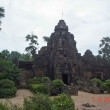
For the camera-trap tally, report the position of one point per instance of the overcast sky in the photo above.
(88, 20)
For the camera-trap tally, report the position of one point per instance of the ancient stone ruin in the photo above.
(61, 60)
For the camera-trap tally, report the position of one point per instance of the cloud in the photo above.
(88, 20)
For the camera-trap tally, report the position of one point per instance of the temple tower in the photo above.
(62, 54)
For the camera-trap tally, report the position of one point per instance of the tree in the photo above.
(8, 70)
(1, 14)
(32, 39)
(5, 54)
(15, 57)
(46, 39)
(26, 57)
(105, 48)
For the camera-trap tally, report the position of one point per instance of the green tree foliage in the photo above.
(105, 48)
(63, 102)
(4, 106)
(8, 70)
(37, 102)
(43, 102)
(32, 39)
(9, 106)
(46, 39)
(57, 86)
(5, 54)
(40, 85)
(26, 57)
(107, 83)
(2, 11)
(96, 81)
(7, 88)
(15, 56)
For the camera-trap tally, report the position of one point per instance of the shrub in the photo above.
(40, 85)
(7, 88)
(63, 102)
(97, 82)
(39, 88)
(38, 80)
(9, 106)
(57, 86)
(4, 106)
(107, 82)
(104, 86)
(37, 102)
(8, 70)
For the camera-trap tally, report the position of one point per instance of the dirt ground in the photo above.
(100, 101)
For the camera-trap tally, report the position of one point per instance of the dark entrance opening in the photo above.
(65, 79)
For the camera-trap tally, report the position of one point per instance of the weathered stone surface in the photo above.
(61, 60)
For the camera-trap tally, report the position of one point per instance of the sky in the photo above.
(88, 20)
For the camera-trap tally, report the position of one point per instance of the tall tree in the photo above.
(15, 57)
(105, 48)
(5, 54)
(1, 14)
(32, 39)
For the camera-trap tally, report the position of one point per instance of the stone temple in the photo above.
(59, 59)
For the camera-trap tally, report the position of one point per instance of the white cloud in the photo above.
(88, 20)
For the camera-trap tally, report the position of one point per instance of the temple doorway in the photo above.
(66, 79)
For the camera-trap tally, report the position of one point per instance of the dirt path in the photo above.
(100, 101)
(18, 100)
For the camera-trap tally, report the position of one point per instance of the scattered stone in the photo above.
(88, 105)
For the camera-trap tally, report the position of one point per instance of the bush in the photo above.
(104, 86)
(57, 86)
(9, 106)
(40, 85)
(37, 102)
(63, 102)
(97, 82)
(4, 106)
(7, 88)
(38, 80)
(39, 88)
(8, 70)
(107, 82)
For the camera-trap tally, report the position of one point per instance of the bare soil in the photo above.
(100, 101)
